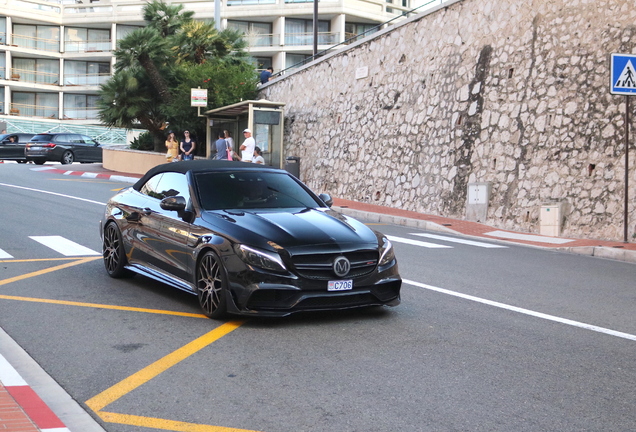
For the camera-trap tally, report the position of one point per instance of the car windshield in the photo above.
(251, 190)
(43, 137)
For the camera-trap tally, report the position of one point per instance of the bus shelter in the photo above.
(264, 118)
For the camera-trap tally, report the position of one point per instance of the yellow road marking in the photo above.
(105, 398)
(157, 423)
(101, 306)
(36, 260)
(48, 270)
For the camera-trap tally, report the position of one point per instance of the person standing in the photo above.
(221, 147)
(230, 142)
(188, 146)
(173, 148)
(247, 148)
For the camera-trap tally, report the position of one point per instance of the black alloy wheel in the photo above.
(67, 157)
(211, 286)
(113, 251)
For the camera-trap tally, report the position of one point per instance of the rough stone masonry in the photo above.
(510, 93)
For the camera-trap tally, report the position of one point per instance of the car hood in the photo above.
(302, 228)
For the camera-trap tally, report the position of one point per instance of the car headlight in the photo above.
(386, 252)
(260, 258)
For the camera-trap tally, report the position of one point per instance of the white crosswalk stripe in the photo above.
(5, 255)
(64, 246)
(418, 243)
(460, 240)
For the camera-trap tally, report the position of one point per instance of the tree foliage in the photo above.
(157, 65)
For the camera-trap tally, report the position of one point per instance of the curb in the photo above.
(28, 400)
(92, 175)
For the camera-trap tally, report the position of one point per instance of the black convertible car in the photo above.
(246, 240)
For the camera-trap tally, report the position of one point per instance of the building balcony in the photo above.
(38, 111)
(80, 113)
(87, 46)
(307, 39)
(36, 77)
(35, 43)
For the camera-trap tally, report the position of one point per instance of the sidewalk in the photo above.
(24, 411)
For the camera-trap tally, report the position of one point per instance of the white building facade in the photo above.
(54, 54)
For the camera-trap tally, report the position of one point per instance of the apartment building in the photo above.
(54, 54)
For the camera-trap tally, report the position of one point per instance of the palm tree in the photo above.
(197, 41)
(127, 101)
(166, 18)
(146, 47)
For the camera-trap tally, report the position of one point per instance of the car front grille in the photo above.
(320, 266)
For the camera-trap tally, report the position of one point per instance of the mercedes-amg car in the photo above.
(246, 239)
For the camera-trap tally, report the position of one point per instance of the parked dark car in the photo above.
(63, 147)
(12, 146)
(247, 240)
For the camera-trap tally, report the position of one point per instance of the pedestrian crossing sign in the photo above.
(623, 74)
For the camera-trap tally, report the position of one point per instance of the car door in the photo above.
(11, 150)
(77, 146)
(92, 148)
(172, 237)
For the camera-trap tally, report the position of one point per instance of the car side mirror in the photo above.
(173, 203)
(326, 198)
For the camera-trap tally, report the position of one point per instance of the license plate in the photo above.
(342, 285)
(35, 148)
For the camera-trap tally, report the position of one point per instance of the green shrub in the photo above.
(143, 142)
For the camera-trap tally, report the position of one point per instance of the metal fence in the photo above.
(105, 135)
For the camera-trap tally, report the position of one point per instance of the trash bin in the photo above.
(292, 165)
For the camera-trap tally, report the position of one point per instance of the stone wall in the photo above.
(511, 93)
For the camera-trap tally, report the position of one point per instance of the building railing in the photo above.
(324, 38)
(33, 110)
(262, 40)
(35, 42)
(103, 134)
(249, 2)
(85, 79)
(80, 113)
(2, 71)
(52, 78)
(87, 46)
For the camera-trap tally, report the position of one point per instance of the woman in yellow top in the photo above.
(173, 148)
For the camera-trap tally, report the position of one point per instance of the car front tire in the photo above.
(114, 253)
(211, 286)
(67, 158)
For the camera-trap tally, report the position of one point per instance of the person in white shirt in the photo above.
(247, 148)
(258, 156)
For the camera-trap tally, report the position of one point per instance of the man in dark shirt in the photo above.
(221, 147)
(266, 75)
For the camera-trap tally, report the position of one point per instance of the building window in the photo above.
(38, 71)
(85, 73)
(3, 30)
(355, 29)
(39, 37)
(295, 59)
(3, 67)
(35, 104)
(86, 40)
(257, 34)
(125, 30)
(79, 106)
(301, 32)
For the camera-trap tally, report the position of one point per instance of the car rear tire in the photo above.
(67, 157)
(114, 253)
(211, 286)
(39, 162)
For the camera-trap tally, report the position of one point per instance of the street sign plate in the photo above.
(623, 74)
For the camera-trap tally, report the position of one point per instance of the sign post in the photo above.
(623, 82)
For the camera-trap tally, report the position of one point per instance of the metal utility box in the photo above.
(292, 166)
(551, 219)
(477, 202)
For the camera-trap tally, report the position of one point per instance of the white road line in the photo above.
(52, 193)
(528, 237)
(418, 243)
(64, 246)
(524, 311)
(459, 240)
(4, 255)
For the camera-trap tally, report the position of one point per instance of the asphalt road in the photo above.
(486, 339)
